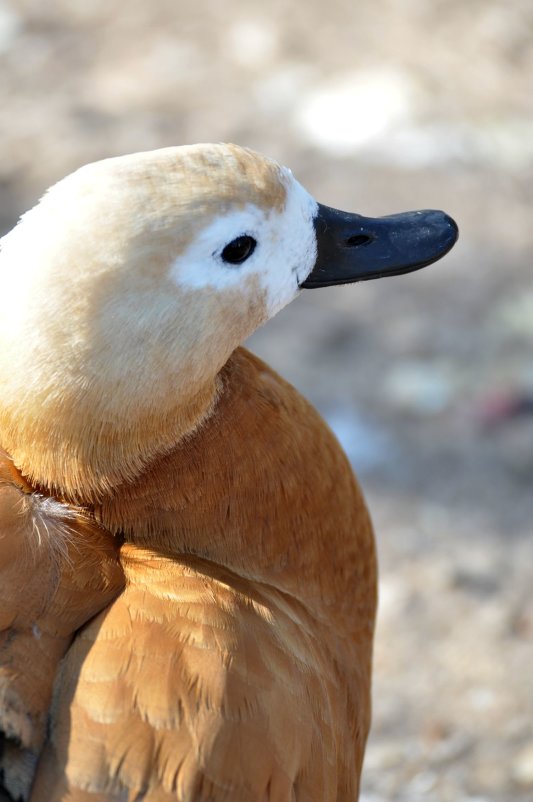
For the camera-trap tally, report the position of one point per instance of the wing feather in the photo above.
(155, 701)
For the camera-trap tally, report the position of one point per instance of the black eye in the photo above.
(238, 250)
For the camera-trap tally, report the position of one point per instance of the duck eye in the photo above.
(238, 250)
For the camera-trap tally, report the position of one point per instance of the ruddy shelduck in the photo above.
(188, 577)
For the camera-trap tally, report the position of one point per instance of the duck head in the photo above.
(126, 289)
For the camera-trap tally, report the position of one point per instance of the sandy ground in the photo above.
(377, 107)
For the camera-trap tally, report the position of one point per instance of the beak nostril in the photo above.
(357, 240)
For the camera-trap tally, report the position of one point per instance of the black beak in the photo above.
(355, 248)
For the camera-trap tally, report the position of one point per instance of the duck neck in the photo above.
(76, 450)
(263, 490)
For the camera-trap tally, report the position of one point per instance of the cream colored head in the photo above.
(119, 309)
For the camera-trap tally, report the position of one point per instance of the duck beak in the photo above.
(355, 248)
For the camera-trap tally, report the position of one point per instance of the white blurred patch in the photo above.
(279, 90)
(10, 25)
(391, 119)
(252, 43)
(515, 315)
(419, 387)
(352, 110)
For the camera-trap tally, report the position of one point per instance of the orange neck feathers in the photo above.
(248, 492)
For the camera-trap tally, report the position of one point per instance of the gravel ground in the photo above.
(377, 107)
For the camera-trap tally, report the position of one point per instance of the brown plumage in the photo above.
(236, 664)
(187, 567)
(58, 569)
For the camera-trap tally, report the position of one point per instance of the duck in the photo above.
(188, 569)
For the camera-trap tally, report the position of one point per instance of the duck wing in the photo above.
(192, 685)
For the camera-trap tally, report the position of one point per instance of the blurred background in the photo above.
(427, 379)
